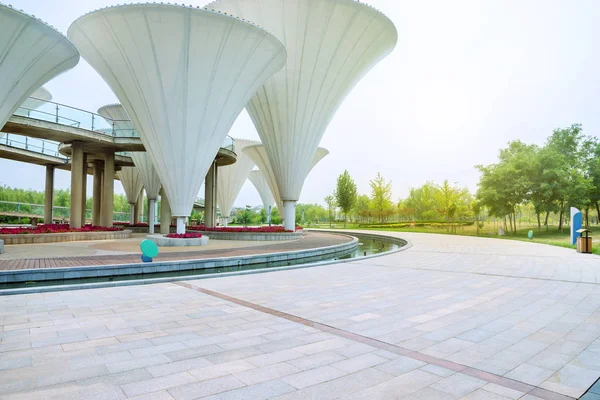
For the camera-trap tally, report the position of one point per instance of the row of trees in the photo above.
(562, 173)
(378, 205)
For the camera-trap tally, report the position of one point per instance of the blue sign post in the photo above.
(576, 224)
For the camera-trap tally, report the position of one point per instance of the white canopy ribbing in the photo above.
(183, 75)
(231, 178)
(31, 53)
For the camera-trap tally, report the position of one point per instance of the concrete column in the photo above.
(289, 211)
(76, 183)
(84, 191)
(97, 193)
(139, 208)
(165, 213)
(49, 194)
(132, 211)
(108, 188)
(209, 184)
(151, 215)
(215, 189)
(180, 225)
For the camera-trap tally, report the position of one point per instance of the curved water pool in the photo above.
(368, 245)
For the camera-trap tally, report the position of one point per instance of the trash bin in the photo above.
(584, 243)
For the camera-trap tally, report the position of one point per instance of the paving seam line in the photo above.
(463, 369)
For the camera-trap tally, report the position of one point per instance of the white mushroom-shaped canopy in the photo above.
(231, 178)
(258, 154)
(132, 183)
(116, 114)
(31, 53)
(118, 119)
(183, 75)
(262, 187)
(331, 45)
(37, 99)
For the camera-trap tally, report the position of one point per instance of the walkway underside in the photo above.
(449, 318)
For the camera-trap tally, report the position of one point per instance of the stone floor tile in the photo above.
(459, 384)
(218, 370)
(346, 384)
(397, 387)
(160, 395)
(138, 362)
(259, 391)
(481, 394)
(274, 358)
(400, 365)
(233, 355)
(263, 374)
(358, 363)
(174, 367)
(427, 394)
(312, 377)
(503, 391)
(205, 388)
(315, 360)
(156, 384)
(437, 370)
(530, 374)
(194, 352)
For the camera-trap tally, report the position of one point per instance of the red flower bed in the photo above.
(184, 235)
(55, 228)
(242, 229)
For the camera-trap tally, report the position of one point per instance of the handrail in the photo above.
(40, 146)
(75, 117)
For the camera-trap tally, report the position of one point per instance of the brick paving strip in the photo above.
(463, 369)
(309, 241)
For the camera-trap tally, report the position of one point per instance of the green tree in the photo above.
(381, 198)
(330, 201)
(362, 207)
(345, 194)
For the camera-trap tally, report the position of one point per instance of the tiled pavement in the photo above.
(309, 241)
(448, 318)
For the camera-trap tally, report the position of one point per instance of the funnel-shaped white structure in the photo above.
(37, 99)
(258, 154)
(231, 178)
(132, 184)
(183, 75)
(117, 115)
(331, 45)
(31, 53)
(262, 187)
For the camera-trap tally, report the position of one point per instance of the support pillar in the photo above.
(289, 211)
(84, 191)
(165, 213)
(76, 183)
(180, 225)
(49, 194)
(139, 208)
(132, 211)
(108, 188)
(97, 193)
(210, 183)
(151, 215)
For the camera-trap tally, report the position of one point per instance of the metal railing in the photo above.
(40, 146)
(75, 117)
(12, 209)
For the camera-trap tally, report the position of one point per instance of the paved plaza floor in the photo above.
(449, 318)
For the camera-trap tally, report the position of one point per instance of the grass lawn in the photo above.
(552, 236)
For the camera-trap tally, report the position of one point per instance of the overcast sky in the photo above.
(465, 78)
